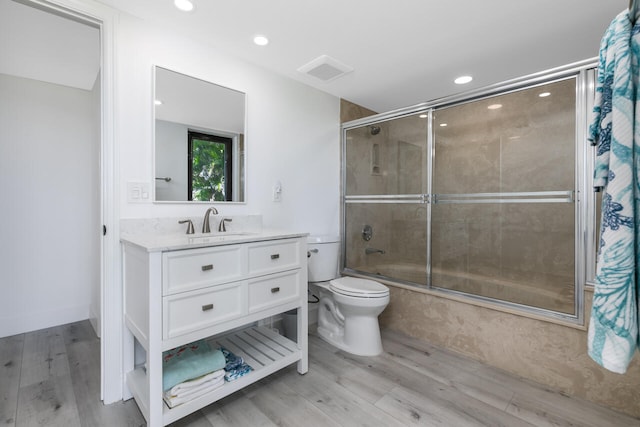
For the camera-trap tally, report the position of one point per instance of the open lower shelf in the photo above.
(263, 349)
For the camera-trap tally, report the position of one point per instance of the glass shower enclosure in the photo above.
(475, 197)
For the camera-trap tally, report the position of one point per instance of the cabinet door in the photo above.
(191, 311)
(197, 268)
(274, 256)
(270, 291)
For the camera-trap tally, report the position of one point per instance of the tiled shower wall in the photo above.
(519, 252)
(398, 229)
(516, 252)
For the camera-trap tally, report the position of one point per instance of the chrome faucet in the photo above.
(222, 227)
(205, 224)
(369, 251)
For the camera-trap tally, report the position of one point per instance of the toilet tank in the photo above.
(323, 257)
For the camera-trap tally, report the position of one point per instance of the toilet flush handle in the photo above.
(315, 251)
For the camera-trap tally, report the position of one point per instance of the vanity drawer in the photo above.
(271, 257)
(272, 290)
(190, 311)
(196, 268)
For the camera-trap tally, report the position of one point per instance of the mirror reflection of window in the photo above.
(193, 105)
(210, 160)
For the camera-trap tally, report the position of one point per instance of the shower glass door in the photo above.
(385, 211)
(503, 217)
(484, 196)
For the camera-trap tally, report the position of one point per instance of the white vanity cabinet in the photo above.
(217, 289)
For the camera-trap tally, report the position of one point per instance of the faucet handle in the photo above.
(223, 227)
(190, 229)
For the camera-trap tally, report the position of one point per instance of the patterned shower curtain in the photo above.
(613, 328)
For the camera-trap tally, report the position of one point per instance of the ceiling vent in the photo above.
(325, 68)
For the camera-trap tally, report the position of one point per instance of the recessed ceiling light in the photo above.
(184, 5)
(261, 40)
(463, 80)
(494, 106)
(423, 116)
(544, 94)
(443, 125)
(157, 102)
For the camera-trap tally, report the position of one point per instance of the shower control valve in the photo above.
(367, 233)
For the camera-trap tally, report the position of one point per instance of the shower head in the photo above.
(374, 129)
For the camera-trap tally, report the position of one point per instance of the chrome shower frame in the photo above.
(584, 198)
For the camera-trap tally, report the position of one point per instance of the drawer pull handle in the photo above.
(207, 267)
(207, 307)
(275, 256)
(274, 290)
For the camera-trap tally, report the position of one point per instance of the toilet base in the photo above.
(351, 323)
(336, 338)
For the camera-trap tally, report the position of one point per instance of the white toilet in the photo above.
(349, 306)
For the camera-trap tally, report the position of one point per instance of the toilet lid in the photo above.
(353, 286)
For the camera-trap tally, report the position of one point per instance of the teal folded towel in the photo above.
(188, 362)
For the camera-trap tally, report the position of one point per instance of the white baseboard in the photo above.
(29, 322)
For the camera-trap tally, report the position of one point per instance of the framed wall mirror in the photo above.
(199, 140)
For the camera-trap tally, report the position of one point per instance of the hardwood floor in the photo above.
(51, 378)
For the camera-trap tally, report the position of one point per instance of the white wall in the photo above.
(95, 308)
(48, 182)
(171, 141)
(293, 131)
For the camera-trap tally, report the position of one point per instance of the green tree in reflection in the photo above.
(208, 171)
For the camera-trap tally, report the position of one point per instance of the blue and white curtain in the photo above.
(613, 328)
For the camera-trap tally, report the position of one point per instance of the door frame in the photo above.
(111, 366)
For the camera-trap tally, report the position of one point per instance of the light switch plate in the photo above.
(277, 192)
(138, 192)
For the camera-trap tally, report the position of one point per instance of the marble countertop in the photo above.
(172, 241)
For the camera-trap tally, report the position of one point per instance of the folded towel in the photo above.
(193, 392)
(232, 361)
(188, 362)
(235, 366)
(184, 388)
(238, 372)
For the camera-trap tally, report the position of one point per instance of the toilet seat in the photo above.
(356, 287)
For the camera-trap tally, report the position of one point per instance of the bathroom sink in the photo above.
(218, 237)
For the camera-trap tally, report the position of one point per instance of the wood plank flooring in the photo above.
(51, 378)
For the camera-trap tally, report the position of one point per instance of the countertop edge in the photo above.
(163, 243)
